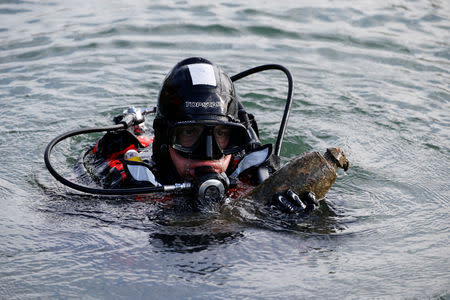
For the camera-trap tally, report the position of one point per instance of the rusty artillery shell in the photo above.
(311, 171)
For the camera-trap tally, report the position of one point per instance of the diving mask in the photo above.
(207, 141)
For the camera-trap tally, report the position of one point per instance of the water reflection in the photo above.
(187, 242)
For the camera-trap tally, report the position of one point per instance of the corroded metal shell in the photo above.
(309, 172)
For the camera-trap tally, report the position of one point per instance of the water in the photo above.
(371, 77)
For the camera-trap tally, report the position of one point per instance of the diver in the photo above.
(201, 132)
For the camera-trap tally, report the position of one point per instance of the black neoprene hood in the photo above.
(197, 90)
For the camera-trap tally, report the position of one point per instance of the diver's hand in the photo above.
(290, 202)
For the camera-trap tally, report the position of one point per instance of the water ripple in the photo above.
(370, 77)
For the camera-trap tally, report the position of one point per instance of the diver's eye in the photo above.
(187, 135)
(222, 131)
(191, 131)
(222, 134)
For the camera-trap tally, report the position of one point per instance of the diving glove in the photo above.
(291, 202)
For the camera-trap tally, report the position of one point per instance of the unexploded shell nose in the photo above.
(339, 158)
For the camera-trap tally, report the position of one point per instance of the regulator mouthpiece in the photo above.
(212, 188)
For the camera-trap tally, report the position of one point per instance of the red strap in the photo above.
(145, 140)
(117, 154)
(235, 161)
(118, 166)
(115, 164)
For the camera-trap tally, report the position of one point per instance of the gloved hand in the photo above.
(290, 202)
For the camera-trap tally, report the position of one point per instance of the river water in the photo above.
(371, 77)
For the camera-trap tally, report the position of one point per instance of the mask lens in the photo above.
(187, 135)
(222, 135)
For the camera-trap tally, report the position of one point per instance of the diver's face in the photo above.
(190, 135)
(186, 167)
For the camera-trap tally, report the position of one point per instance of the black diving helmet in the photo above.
(197, 113)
